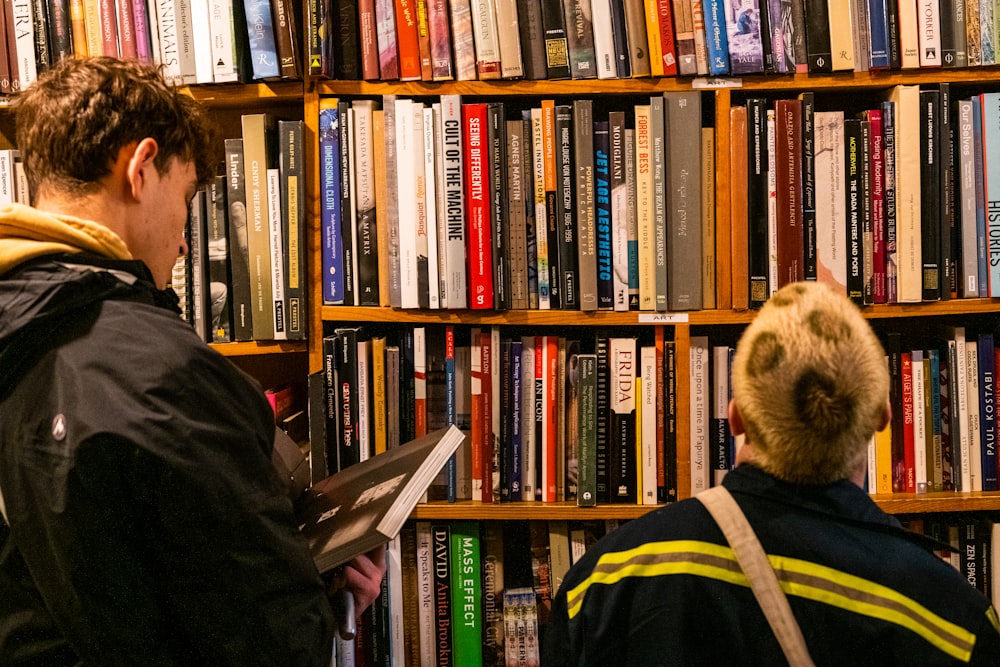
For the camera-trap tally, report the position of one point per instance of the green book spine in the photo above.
(466, 592)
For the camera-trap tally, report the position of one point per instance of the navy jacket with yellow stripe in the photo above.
(665, 589)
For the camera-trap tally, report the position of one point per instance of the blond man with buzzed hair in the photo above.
(810, 388)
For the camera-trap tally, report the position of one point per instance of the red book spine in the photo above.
(878, 206)
(368, 38)
(666, 24)
(788, 154)
(551, 371)
(109, 27)
(480, 239)
(406, 34)
(909, 456)
(126, 31)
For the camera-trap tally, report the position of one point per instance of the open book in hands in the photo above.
(365, 505)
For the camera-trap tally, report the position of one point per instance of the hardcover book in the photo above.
(366, 504)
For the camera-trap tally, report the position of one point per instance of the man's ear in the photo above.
(138, 159)
(735, 419)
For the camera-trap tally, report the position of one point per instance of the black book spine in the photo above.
(757, 200)
(346, 216)
(818, 54)
(242, 322)
(529, 22)
(603, 417)
(347, 45)
(853, 168)
(556, 43)
(950, 242)
(441, 555)
(569, 284)
(809, 183)
(930, 191)
(348, 446)
(496, 135)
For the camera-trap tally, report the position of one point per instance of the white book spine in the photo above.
(24, 40)
(406, 189)
(929, 32)
(6, 176)
(831, 236)
(961, 383)
(418, 174)
(604, 41)
(699, 387)
(440, 205)
(185, 41)
(453, 183)
(223, 51)
(647, 360)
(430, 209)
(909, 41)
(202, 39)
(394, 578)
(509, 43)
(975, 435)
(169, 40)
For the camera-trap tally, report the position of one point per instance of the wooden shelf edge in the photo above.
(757, 82)
(253, 348)
(898, 503)
(468, 509)
(238, 95)
(923, 503)
(631, 318)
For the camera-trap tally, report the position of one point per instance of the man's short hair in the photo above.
(810, 380)
(73, 121)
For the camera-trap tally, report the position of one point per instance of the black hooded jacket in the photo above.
(146, 523)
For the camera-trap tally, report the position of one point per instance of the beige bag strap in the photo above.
(755, 565)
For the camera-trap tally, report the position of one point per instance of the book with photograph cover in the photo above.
(355, 510)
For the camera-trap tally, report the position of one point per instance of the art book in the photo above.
(364, 505)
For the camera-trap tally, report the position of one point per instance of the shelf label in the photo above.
(703, 83)
(662, 318)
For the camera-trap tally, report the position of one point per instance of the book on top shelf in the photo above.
(365, 505)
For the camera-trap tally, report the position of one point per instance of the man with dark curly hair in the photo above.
(810, 387)
(141, 519)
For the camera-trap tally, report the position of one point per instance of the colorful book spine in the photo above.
(480, 247)
(330, 213)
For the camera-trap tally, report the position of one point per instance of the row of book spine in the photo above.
(495, 613)
(472, 592)
(434, 40)
(195, 41)
(892, 204)
(547, 418)
(942, 436)
(244, 277)
(549, 206)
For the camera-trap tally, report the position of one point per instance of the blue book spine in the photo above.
(330, 220)
(602, 215)
(716, 38)
(260, 30)
(514, 448)
(991, 146)
(878, 34)
(987, 410)
(450, 407)
(977, 156)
